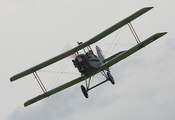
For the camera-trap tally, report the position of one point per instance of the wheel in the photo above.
(83, 89)
(110, 78)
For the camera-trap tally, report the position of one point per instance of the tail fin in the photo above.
(100, 53)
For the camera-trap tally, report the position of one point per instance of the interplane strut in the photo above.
(134, 33)
(39, 82)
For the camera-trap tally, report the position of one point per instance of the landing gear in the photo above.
(83, 89)
(110, 78)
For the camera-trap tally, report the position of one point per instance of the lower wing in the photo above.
(109, 62)
(55, 90)
(122, 55)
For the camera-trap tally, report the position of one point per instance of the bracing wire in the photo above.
(49, 71)
(115, 39)
(66, 64)
(57, 73)
(119, 38)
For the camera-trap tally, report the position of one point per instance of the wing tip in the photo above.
(148, 8)
(12, 79)
(31, 101)
(27, 104)
(161, 34)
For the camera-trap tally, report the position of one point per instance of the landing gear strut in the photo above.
(108, 78)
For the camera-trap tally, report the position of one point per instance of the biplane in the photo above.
(88, 63)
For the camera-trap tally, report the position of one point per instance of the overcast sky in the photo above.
(34, 31)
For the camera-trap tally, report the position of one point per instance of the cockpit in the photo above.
(83, 62)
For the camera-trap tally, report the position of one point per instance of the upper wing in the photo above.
(87, 43)
(124, 54)
(116, 26)
(53, 91)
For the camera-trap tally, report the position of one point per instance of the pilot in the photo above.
(91, 54)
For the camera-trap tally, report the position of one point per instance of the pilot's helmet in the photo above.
(90, 52)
